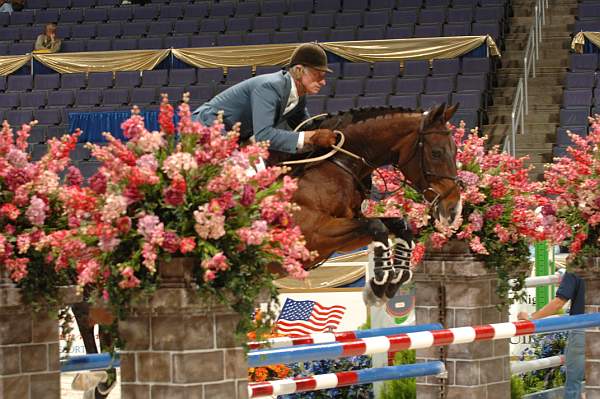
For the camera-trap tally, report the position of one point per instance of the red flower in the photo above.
(175, 193)
(10, 211)
(165, 118)
(187, 244)
(171, 242)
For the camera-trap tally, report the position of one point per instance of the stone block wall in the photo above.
(29, 350)
(180, 348)
(456, 281)
(591, 275)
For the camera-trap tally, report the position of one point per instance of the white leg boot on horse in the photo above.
(374, 291)
(391, 267)
(403, 247)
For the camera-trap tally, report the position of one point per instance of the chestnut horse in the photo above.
(330, 193)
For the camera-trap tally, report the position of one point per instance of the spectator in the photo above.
(48, 42)
(571, 288)
(6, 6)
(18, 5)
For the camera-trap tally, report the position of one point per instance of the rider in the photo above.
(270, 106)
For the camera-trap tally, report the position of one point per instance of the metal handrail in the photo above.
(530, 57)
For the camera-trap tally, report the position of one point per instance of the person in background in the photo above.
(6, 6)
(270, 106)
(18, 5)
(48, 40)
(572, 288)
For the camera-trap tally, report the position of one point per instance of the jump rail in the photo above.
(341, 336)
(420, 340)
(324, 381)
(89, 362)
(537, 364)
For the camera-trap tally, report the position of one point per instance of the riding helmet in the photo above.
(310, 55)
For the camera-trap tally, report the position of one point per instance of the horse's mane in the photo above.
(343, 119)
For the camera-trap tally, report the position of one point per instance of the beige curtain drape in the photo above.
(10, 63)
(269, 54)
(103, 61)
(579, 40)
(415, 49)
(235, 56)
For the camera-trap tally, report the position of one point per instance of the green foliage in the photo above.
(517, 387)
(405, 388)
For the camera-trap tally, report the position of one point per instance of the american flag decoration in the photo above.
(307, 317)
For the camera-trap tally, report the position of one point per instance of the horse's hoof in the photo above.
(405, 276)
(374, 297)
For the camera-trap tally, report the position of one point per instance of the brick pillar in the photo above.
(452, 278)
(180, 347)
(591, 275)
(29, 358)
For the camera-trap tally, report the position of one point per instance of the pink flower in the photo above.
(477, 247)
(151, 228)
(98, 182)
(74, 176)
(438, 240)
(129, 279)
(248, 195)
(87, 271)
(10, 211)
(36, 213)
(417, 254)
(256, 234)
(17, 268)
(23, 243)
(209, 275)
(17, 158)
(114, 207)
(187, 244)
(177, 163)
(217, 263)
(175, 193)
(149, 254)
(208, 224)
(171, 242)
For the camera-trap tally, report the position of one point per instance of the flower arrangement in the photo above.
(498, 208)
(32, 211)
(574, 183)
(185, 191)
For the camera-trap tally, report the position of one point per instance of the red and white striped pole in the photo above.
(270, 389)
(420, 340)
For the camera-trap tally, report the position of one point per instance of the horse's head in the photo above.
(430, 162)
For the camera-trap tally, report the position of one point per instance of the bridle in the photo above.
(419, 148)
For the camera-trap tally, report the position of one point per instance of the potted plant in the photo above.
(574, 184)
(184, 204)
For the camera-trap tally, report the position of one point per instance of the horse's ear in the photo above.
(436, 112)
(450, 111)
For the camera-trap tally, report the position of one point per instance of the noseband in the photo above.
(419, 148)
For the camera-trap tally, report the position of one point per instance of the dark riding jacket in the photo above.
(258, 103)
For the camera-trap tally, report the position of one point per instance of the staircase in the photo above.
(545, 90)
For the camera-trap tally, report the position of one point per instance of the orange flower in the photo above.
(260, 374)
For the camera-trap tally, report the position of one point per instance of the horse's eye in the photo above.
(437, 154)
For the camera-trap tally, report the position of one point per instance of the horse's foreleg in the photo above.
(403, 246)
(336, 234)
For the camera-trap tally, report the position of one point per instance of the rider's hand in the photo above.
(523, 316)
(321, 137)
